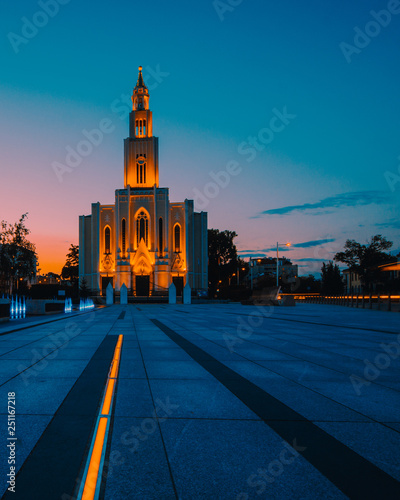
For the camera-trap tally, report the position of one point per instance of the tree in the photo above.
(332, 282)
(308, 284)
(17, 254)
(365, 259)
(71, 269)
(84, 291)
(223, 260)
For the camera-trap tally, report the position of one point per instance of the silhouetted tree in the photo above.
(331, 279)
(71, 269)
(17, 254)
(365, 259)
(308, 284)
(84, 291)
(223, 260)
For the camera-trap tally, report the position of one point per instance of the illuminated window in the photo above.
(107, 240)
(160, 236)
(177, 238)
(123, 235)
(141, 172)
(142, 228)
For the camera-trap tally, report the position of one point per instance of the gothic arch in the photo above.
(177, 238)
(107, 239)
(142, 227)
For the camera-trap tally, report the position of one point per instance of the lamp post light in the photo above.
(277, 261)
(252, 259)
(251, 272)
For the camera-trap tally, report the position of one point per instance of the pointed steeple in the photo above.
(140, 82)
(140, 97)
(141, 148)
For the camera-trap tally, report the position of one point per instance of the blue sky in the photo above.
(215, 87)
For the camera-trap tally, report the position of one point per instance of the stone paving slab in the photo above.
(178, 432)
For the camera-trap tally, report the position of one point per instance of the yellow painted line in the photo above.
(93, 471)
(108, 397)
(94, 466)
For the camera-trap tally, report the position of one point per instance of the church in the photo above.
(144, 240)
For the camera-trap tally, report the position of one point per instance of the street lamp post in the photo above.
(277, 264)
(251, 268)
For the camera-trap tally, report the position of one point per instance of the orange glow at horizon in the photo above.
(51, 252)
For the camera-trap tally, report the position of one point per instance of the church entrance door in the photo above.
(105, 280)
(178, 282)
(142, 286)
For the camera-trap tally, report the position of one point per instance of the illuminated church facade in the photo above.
(143, 241)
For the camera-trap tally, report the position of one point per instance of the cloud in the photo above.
(314, 243)
(309, 260)
(328, 205)
(249, 254)
(305, 244)
(283, 248)
(389, 224)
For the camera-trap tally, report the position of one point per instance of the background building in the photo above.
(264, 268)
(387, 278)
(143, 240)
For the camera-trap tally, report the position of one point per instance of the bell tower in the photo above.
(141, 148)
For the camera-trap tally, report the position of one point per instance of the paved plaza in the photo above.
(218, 401)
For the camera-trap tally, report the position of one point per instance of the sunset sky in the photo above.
(311, 125)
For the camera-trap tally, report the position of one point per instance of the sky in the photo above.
(280, 119)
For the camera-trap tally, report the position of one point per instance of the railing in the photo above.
(384, 302)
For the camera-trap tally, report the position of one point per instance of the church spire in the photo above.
(140, 82)
(140, 97)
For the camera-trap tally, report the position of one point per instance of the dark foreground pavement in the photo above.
(211, 402)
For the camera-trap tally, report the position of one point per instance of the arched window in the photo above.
(123, 235)
(177, 238)
(141, 172)
(142, 228)
(107, 240)
(160, 236)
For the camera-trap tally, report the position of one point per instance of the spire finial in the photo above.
(140, 82)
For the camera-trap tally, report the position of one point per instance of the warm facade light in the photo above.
(143, 240)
